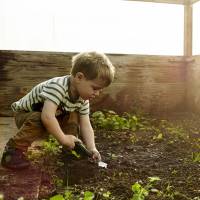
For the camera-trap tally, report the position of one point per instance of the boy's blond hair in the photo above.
(94, 66)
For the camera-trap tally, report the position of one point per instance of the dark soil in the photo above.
(134, 156)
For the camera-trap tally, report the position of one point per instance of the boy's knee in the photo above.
(24, 117)
(35, 117)
(33, 120)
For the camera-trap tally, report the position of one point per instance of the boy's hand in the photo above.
(69, 141)
(95, 155)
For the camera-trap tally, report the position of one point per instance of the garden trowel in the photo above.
(80, 147)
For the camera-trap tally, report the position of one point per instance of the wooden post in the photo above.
(187, 30)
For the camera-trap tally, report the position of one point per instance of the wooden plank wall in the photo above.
(153, 84)
(193, 85)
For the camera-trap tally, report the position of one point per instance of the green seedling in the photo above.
(57, 197)
(170, 193)
(158, 137)
(88, 195)
(51, 146)
(106, 194)
(109, 120)
(68, 195)
(141, 192)
(196, 157)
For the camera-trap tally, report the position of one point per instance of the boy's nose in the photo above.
(97, 93)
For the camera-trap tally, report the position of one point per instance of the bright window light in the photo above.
(110, 26)
(196, 28)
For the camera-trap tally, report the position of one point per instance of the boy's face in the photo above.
(88, 89)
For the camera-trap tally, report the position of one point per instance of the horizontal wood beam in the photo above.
(180, 2)
(193, 1)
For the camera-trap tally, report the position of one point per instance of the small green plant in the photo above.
(106, 194)
(57, 197)
(133, 138)
(140, 192)
(111, 121)
(68, 195)
(177, 132)
(88, 195)
(196, 157)
(102, 194)
(170, 193)
(51, 146)
(158, 137)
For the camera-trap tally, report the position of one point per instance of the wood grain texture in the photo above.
(178, 2)
(154, 84)
(182, 2)
(194, 1)
(188, 24)
(193, 85)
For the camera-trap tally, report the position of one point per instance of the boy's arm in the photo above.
(51, 124)
(87, 134)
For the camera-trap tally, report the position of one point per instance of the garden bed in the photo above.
(147, 159)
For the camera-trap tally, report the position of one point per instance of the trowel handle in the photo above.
(82, 147)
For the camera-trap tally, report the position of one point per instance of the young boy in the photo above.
(60, 106)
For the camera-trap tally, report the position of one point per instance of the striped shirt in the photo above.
(55, 90)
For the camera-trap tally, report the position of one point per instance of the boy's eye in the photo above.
(97, 89)
(94, 88)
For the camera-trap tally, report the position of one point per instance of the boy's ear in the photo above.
(80, 75)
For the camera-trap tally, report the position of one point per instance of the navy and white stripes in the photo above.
(56, 90)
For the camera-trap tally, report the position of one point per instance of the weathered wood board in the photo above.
(154, 84)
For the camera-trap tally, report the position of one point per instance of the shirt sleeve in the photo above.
(85, 108)
(53, 91)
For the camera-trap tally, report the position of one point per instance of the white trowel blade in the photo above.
(102, 164)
